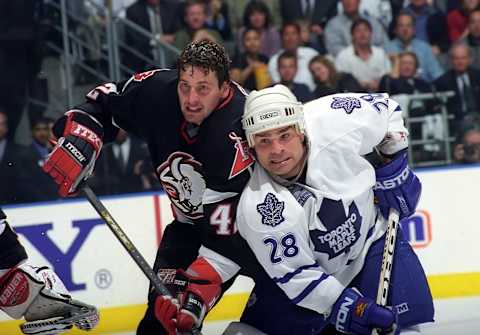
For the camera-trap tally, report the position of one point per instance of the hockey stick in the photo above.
(387, 260)
(126, 242)
(129, 246)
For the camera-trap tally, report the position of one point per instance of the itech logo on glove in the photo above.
(394, 182)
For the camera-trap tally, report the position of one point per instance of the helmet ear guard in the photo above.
(271, 108)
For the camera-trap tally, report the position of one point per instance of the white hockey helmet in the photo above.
(271, 108)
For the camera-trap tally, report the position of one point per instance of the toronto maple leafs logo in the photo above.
(347, 103)
(271, 210)
(342, 231)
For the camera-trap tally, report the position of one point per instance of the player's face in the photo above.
(280, 151)
(199, 93)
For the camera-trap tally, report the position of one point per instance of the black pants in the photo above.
(178, 249)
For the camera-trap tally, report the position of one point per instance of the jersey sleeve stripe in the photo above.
(290, 275)
(310, 287)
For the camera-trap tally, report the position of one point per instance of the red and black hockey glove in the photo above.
(195, 298)
(73, 158)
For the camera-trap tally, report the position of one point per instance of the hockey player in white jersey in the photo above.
(308, 211)
(36, 293)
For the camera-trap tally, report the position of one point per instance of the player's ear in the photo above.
(225, 89)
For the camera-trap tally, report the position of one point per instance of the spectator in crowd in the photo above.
(467, 149)
(218, 18)
(287, 69)
(328, 80)
(430, 25)
(40, 187)
(464, 81)
(403, 79)
(250, 68)
(381, 10)
(472, 39)
(20, 56)
(313, 14)
(429, 67)
(338, 29)
(158, 17)
(457, 19)
(123, 167)
(195, 16)
(12, 181)
(367, 63)
(257, 16)
(237, 12)
(291, 41)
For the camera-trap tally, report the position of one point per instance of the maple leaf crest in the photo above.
(347, 103)
(271, 210)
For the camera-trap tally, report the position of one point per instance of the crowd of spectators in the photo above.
(315, 47)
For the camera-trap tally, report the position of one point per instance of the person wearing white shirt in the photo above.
(364, 61)
(291, 42)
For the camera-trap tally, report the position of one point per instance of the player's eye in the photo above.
(285, 136)
(203, 89)
(184, 87)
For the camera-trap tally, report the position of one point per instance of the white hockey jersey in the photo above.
(312, 240)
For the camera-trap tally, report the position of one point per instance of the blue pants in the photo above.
(270, 310)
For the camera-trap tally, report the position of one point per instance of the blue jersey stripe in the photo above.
(290, 275)
(309, 288)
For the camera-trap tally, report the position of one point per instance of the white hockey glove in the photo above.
(38, 295)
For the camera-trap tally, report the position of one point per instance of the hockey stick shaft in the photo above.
(125, 241)
(387, 260)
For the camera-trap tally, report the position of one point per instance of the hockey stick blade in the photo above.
(387, 260)
(126, 242)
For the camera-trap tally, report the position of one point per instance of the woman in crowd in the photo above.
(250, 68)
(328, 80)
(258, 17)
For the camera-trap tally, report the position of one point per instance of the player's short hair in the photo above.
(208, 55)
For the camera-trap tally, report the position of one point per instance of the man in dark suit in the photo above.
(161, 19)
(12, 183)
(39, 186)
(123, 167)
(407, 81)
(464, 80)
(315, 12)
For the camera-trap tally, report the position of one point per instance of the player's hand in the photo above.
(38, 295)
(353, 313)
(397, 187)
(195, 296)
(166, 310)
(73, 158)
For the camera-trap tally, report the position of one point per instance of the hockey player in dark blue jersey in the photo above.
(191, 121)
